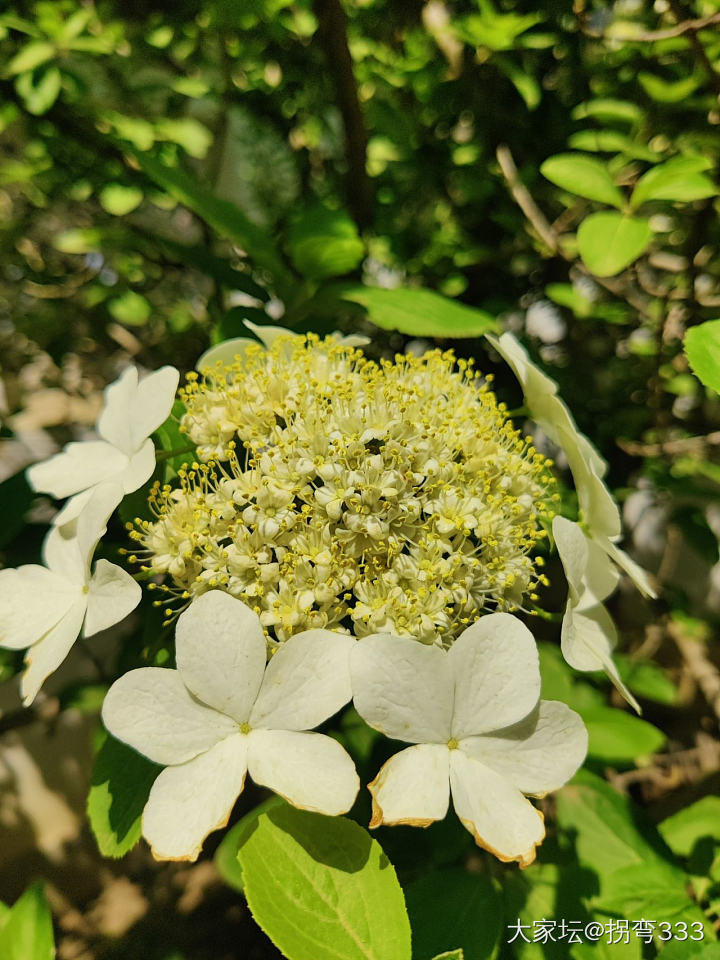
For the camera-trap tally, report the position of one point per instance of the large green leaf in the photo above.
(646, 679)
(680, 179)
(226, 855)
(120, 785)
(420, 313)
(325, 243)
(224, 217)
(609, 242)
(452, 906)
(702, 346)
(617, 736)
(584, 176)
(27, 932)
(322, 888)
(685, 828)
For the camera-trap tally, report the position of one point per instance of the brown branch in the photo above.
(687, 26)
(699, 666)
(681, 445)
(332, 34)
(696, 43)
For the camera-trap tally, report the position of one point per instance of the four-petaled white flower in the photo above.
(479, 728)
(222, 714)
(124, 456)
(599, 510)
(224, 353)
(44, 608)
(588, 632)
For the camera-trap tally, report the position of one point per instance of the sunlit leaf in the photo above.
(609, 242)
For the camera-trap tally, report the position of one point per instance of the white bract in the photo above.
(223, 714)
(588, 632)
(479, 730)
(44, 608)
(225, 353)
(599, 510)
(123, 457)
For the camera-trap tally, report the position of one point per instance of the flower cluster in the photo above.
(334, 492)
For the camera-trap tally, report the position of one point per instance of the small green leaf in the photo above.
(131, 308)
(611, 141)
(322, 889)
(28, 933)
(420, 313)
(525, 84)
(120, 785)
(454, 906)
(609, 242)
(189, 133)
(646, 679)
(39, 93)
(683, 829)
(119, 199)
(30, 57)
(617, 736)
(680, 180)
(584, 176)
(668, 91)
(78, 240)
(450, 955)
(702, 347)
(226, 855)
(607, 109)
(325, 243)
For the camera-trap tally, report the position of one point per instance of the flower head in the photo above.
(223, 713)
(123, 457)
(44, 608)
(479, 731)
(335, 492)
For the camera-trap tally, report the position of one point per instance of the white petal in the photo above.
(62, 555)
(93, 519)
(79, 466)
(403, 688)
(71, 510)
(220, 650)
(189, 801)
(310, 770)
(151, 709)
(590, 575)
(223, 354)
(597, 506)
(140, 467)
(350, 339)
(133, 411)
(497, 675)
(494, 811)
(636, 573)
(306, 681)
(32, 601)
(537, 755)
(413, 787)
(587, 640)
(45, 656)
(267, 333)
(112, 595)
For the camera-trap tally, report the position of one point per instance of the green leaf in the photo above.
(646, 679)
(119, 788)
(607, 109)
(453, 906)
(325, 243)
(450, 955)
(30, 57)
(224, 217)
(322, 889)
(617, 736)
(690, 950)
(584, 176)
(685, 828)
(702, 347)
(130, 308)
(680, 179)
(28, 932)
(226, 856)
(189, 133)
(610, 141)
(668, 91)
(609, 242)
(525, 84)
(40, 93)
(420, 313)
(119, 199)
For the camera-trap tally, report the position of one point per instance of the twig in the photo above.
(700, 668)
(687, 26)
(696, 43)
(681, 445)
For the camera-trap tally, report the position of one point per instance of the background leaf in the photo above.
(702, 346)
(609, 242)
(27, 932)
(420, 313)
(584, 176)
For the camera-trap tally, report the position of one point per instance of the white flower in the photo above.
(44, 608)
(479, 728)
(222, 714)
(224, 353)
(588, 633)
(124, 456)
(599, 510)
